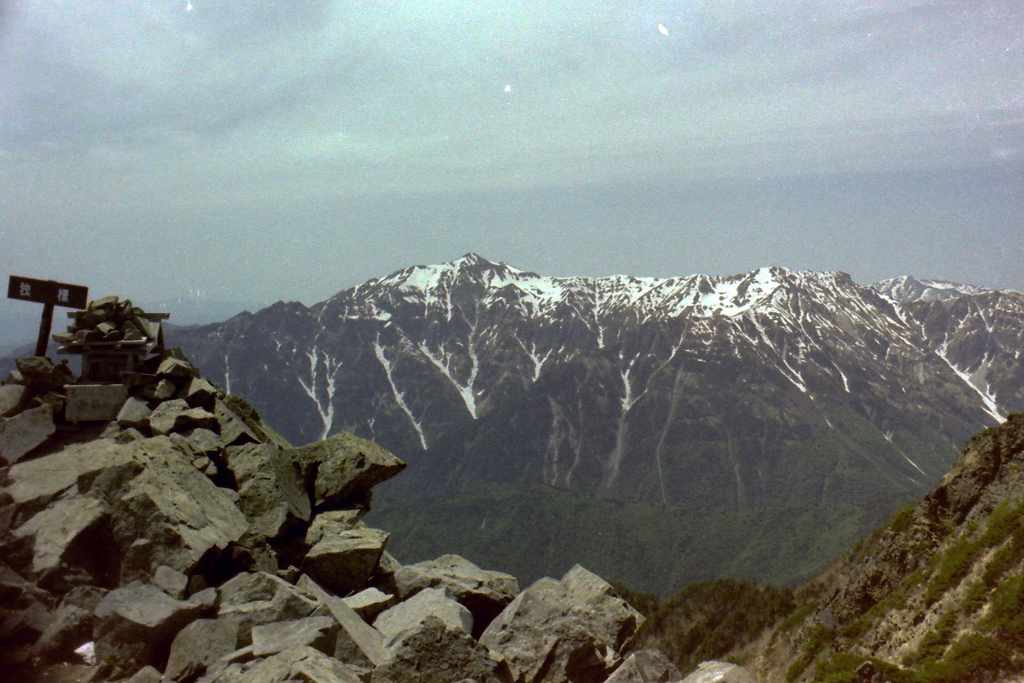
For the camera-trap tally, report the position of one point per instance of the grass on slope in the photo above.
(967, 589)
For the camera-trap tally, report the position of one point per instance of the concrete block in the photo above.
(94, 402)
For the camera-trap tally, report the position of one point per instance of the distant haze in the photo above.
(254, 151)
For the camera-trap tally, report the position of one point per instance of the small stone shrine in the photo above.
(113, 337)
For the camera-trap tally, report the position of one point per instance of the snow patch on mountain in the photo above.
(698, 296)
(905, 289)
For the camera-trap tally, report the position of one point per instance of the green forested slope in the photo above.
(935, 596)
(648, 547)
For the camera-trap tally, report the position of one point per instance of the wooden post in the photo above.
(44, 330)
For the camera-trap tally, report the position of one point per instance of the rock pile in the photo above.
(31, 405)
(166, 397)
(109, 319)
(186, 541)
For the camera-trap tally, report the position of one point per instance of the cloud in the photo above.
(118, 104)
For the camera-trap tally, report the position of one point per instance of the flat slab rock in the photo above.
(23, 432)
(370, 603)
(358, 644)
(275, 637)
(300, 664)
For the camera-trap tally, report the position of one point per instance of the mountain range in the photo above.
(753, 425)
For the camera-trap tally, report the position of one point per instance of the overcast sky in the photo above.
(261, 150)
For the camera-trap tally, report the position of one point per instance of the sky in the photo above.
(255, 151)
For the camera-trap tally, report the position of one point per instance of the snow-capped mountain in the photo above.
(760, 390)
(904, 289)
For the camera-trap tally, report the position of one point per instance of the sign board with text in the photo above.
(50, 293)
(47, 292)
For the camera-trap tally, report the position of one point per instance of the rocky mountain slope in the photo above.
(781, 394)
(936, 595)
(185, 541)
(773, 395)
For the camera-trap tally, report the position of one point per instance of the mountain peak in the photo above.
(907, 288)
(472, 258)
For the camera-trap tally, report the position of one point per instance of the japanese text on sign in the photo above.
(47, 292)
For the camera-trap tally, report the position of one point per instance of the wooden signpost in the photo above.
(49, 293)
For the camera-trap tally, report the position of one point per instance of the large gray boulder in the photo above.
(576, 629)
(484, 593)
(646, 666)
(25, 431)
(71, 626)
(12, 397)
(167, 416)
(199, 393)
(197, 646)
(154, 508)
(135, 413)
(137, 623)
(158, 391)
(196, 418)
(250, 600)
(341, 471)
(270, 492)
(179, 368)
(41, 374)
(232, 428)
(171, 581)
(344, 563)
(332, 523)
(24, 626)
(433, 652)
(64, 537)
(171, 501)
(177, 416)
(430, 603)
(201, 442)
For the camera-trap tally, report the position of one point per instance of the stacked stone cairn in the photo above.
(108, 320)
(186, 541)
